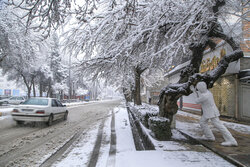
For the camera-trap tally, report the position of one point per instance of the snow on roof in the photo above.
(218, 44)
(177, 68)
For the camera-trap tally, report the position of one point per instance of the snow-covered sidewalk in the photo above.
(167, 153)
(189, 124)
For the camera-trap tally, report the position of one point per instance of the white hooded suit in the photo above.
(210, 111)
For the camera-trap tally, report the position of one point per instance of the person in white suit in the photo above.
(211, 112)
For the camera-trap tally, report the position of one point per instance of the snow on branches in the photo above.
(120, 39)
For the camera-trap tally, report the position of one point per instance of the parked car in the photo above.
(3, 99)
(40, 110)
(15, 100)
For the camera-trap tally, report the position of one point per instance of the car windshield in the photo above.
(43, 102)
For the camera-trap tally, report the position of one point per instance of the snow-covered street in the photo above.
(99, 134)
(122, 152)
(31, 146)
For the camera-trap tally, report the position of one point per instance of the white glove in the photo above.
(192, 88)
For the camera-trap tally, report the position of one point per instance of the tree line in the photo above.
(125, 41)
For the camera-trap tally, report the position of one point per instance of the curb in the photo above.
(141, 139)
(224, 156)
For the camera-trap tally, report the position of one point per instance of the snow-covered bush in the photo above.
(160, 126)
(144, 112)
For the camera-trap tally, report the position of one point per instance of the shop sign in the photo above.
(211, 63)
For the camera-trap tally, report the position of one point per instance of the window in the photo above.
(34, 101)
(54, 103)
(59, 103)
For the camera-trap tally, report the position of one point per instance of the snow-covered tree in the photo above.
(113, 43)
(57, 68)
(17, 49)
(142, 34)
(25, 57)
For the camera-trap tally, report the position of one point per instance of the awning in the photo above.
(244, 75)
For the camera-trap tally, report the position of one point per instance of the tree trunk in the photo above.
(51, 93)
(190, 76)
(40, 89)
(29, 91)
(137, 95)
(61, 94)
(34, 89)
(127, 95)
(27, 84)
(48, 92)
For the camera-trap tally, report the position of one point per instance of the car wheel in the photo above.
(49, 123)
(65, 117)
(19, 122)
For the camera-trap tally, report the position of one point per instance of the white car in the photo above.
(15, 100)
(40, 110)
(4, 99)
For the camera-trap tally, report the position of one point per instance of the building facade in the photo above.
(231, 91)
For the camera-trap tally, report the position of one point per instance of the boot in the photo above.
(229, 143)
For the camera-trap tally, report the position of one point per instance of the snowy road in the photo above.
(30, 146)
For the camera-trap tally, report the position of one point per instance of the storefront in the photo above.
(231, 91)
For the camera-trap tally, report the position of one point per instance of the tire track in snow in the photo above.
(112, 150)
(49, 161)
(96, 150)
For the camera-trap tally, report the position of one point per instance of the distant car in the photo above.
(15, 100)
(4, 99)
(40, 110)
